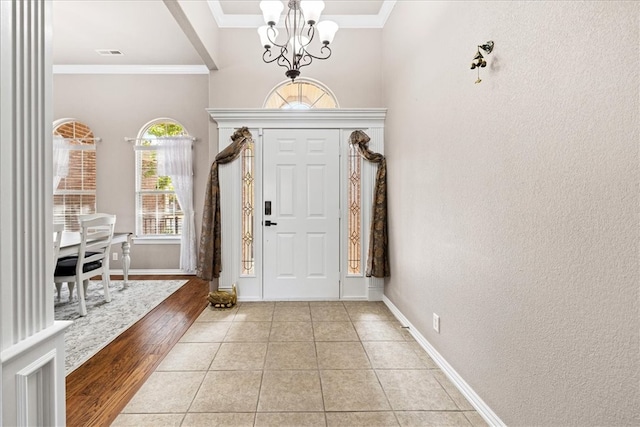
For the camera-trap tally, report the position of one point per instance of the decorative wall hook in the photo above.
(478, 60)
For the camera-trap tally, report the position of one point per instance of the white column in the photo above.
(31, 342)
(230, 192)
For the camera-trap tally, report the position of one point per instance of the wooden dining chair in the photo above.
(57, 238)
(93, 257)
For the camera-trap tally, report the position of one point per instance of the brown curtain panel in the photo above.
(378, 258)
(210, 253)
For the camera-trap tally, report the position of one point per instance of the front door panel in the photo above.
(301, 246)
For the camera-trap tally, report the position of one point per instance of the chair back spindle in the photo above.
(96, 232)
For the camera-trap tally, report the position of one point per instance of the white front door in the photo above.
(301, 235)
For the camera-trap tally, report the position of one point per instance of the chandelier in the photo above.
(301, 23)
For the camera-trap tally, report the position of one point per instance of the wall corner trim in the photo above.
(152, 272)
(476, 401)
(128, 69)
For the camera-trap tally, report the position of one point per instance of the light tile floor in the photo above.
(298, 364)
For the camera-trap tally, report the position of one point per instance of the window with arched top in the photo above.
(301, 94)
(74, 172)
(158, 212)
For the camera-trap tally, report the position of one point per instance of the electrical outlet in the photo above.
(114, 256)
(436, 323)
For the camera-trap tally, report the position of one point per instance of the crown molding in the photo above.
(344, 21)
(130, 69)
(299, 119)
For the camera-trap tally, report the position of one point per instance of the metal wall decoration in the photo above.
(478, 60)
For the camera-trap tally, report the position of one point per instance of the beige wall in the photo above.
(514, 202)
(353, 73)
(117, 106)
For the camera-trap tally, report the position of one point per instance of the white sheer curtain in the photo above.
(60, 160)
(175, 161)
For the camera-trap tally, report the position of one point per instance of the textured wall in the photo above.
(353, 72)
(117, 106)
(514, 202)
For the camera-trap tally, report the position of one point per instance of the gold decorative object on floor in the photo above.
(223, 299)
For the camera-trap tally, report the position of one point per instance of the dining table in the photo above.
(70, 245)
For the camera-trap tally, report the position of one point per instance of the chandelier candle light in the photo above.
(300, 23)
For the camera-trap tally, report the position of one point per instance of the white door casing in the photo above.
(301, 180)
(260, 121)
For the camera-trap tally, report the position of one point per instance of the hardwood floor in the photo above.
(100, 388)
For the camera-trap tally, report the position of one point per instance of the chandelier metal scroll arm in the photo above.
(311, 32)
(267, 54)
(271, 35)
(304, 60)
(284, 62)
(322, 49)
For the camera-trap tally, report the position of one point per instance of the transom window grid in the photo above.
(75, 194)
(158, 213)
(302, 94)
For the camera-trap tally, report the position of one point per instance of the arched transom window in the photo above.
(301, 95)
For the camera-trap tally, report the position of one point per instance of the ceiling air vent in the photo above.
(109, 52)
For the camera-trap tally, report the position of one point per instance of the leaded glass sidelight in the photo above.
(248, 209)
(354, 201)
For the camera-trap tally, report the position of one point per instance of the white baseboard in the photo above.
(145, 272)
(483, 409)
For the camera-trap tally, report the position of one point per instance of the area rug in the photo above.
(106, 320)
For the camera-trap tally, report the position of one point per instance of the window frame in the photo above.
(84, 193)
(298, 104)
(151, 238)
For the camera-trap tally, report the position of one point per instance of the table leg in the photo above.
(126, 261)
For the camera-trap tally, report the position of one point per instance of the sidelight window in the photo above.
(248, 208)
(354, 222)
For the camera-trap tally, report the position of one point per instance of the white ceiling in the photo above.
(332, 7)
(148, 34)
(144, 30)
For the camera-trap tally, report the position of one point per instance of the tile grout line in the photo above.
(424, 366)
(184, 417)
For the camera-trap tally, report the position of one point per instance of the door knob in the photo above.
(268, 223)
